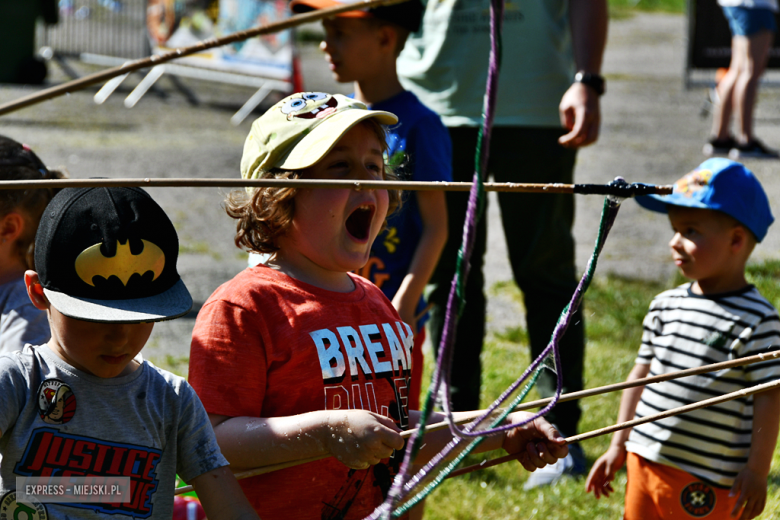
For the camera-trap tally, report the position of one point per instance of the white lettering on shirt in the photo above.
(328, 353)
(355, 354)
(374, 348)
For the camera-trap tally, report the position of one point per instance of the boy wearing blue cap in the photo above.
(714, 461)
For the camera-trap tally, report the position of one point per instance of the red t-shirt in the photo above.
(267, 345)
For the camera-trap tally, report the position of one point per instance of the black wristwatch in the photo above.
(594, 81)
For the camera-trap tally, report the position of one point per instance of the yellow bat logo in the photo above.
(123, 265)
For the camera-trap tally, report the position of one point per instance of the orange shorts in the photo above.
(655, 491)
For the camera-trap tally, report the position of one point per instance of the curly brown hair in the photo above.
(265, 214)
(19, 162)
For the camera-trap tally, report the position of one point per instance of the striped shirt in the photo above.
(685, 330)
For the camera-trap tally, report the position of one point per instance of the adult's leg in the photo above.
(755, 50)
(541, 250)
(725, 90)
(466, 367)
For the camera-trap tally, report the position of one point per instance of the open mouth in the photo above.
(359, 222)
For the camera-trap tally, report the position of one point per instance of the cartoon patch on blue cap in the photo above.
(693, 182)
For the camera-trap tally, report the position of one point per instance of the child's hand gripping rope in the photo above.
(359, 438)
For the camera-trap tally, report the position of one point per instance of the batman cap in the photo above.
(109, 255)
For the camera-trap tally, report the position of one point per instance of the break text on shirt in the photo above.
(378, 351)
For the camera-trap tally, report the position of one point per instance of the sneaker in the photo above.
(549, 475)
(719, 146)
(574, 464)
(755, 149)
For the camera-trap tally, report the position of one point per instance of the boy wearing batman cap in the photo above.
(714, 461)
(84, 404)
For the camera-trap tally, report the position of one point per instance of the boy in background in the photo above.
(82, 404)
(362, 48)
(20, 211)
(714, 461)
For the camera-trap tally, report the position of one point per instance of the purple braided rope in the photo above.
(444, 362)
(560, 329)
(469, 229)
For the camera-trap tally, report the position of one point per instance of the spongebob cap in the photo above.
(722, 185)
(300, 130)
(109, 255)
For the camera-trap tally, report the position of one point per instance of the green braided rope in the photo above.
(441, 476)
(591, 267)
(437, 481)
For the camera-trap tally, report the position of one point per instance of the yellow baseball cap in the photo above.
(301, 129)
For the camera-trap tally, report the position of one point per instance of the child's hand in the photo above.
(538, 441)
(751, 488)
(603, 471)
(406, 307)
(359, 439)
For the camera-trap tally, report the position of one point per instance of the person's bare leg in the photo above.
(756, 51)
(725, 90)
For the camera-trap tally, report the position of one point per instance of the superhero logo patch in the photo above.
(697, 499)
(10, 509)
(56, 402)
(693, 182)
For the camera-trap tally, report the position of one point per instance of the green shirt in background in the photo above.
(446, 63)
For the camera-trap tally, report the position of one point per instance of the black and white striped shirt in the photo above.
(684, 330)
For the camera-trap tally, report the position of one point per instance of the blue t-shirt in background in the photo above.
(422, 144)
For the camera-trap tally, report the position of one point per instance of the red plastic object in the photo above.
(187, 508)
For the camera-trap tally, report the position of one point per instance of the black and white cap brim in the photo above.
(173, 303)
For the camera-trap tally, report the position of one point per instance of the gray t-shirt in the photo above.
(56, 420)
(20, 321)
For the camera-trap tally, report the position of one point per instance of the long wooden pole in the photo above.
(758, 358)
(157, 59)
(467, 417)
(604, 189)
(614, 387)
(630, 424)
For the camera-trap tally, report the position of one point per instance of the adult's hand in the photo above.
(538, 443)
(580, 115)
(579, 107)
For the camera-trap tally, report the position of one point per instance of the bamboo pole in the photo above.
(157, 59)
(470, 416)
(260, 471)
(745, 392)
(629, 190)
(590, 392)
(758, 358)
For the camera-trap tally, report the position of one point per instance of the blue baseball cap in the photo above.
(722, 185)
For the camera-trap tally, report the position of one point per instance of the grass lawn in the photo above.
(614, 308)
